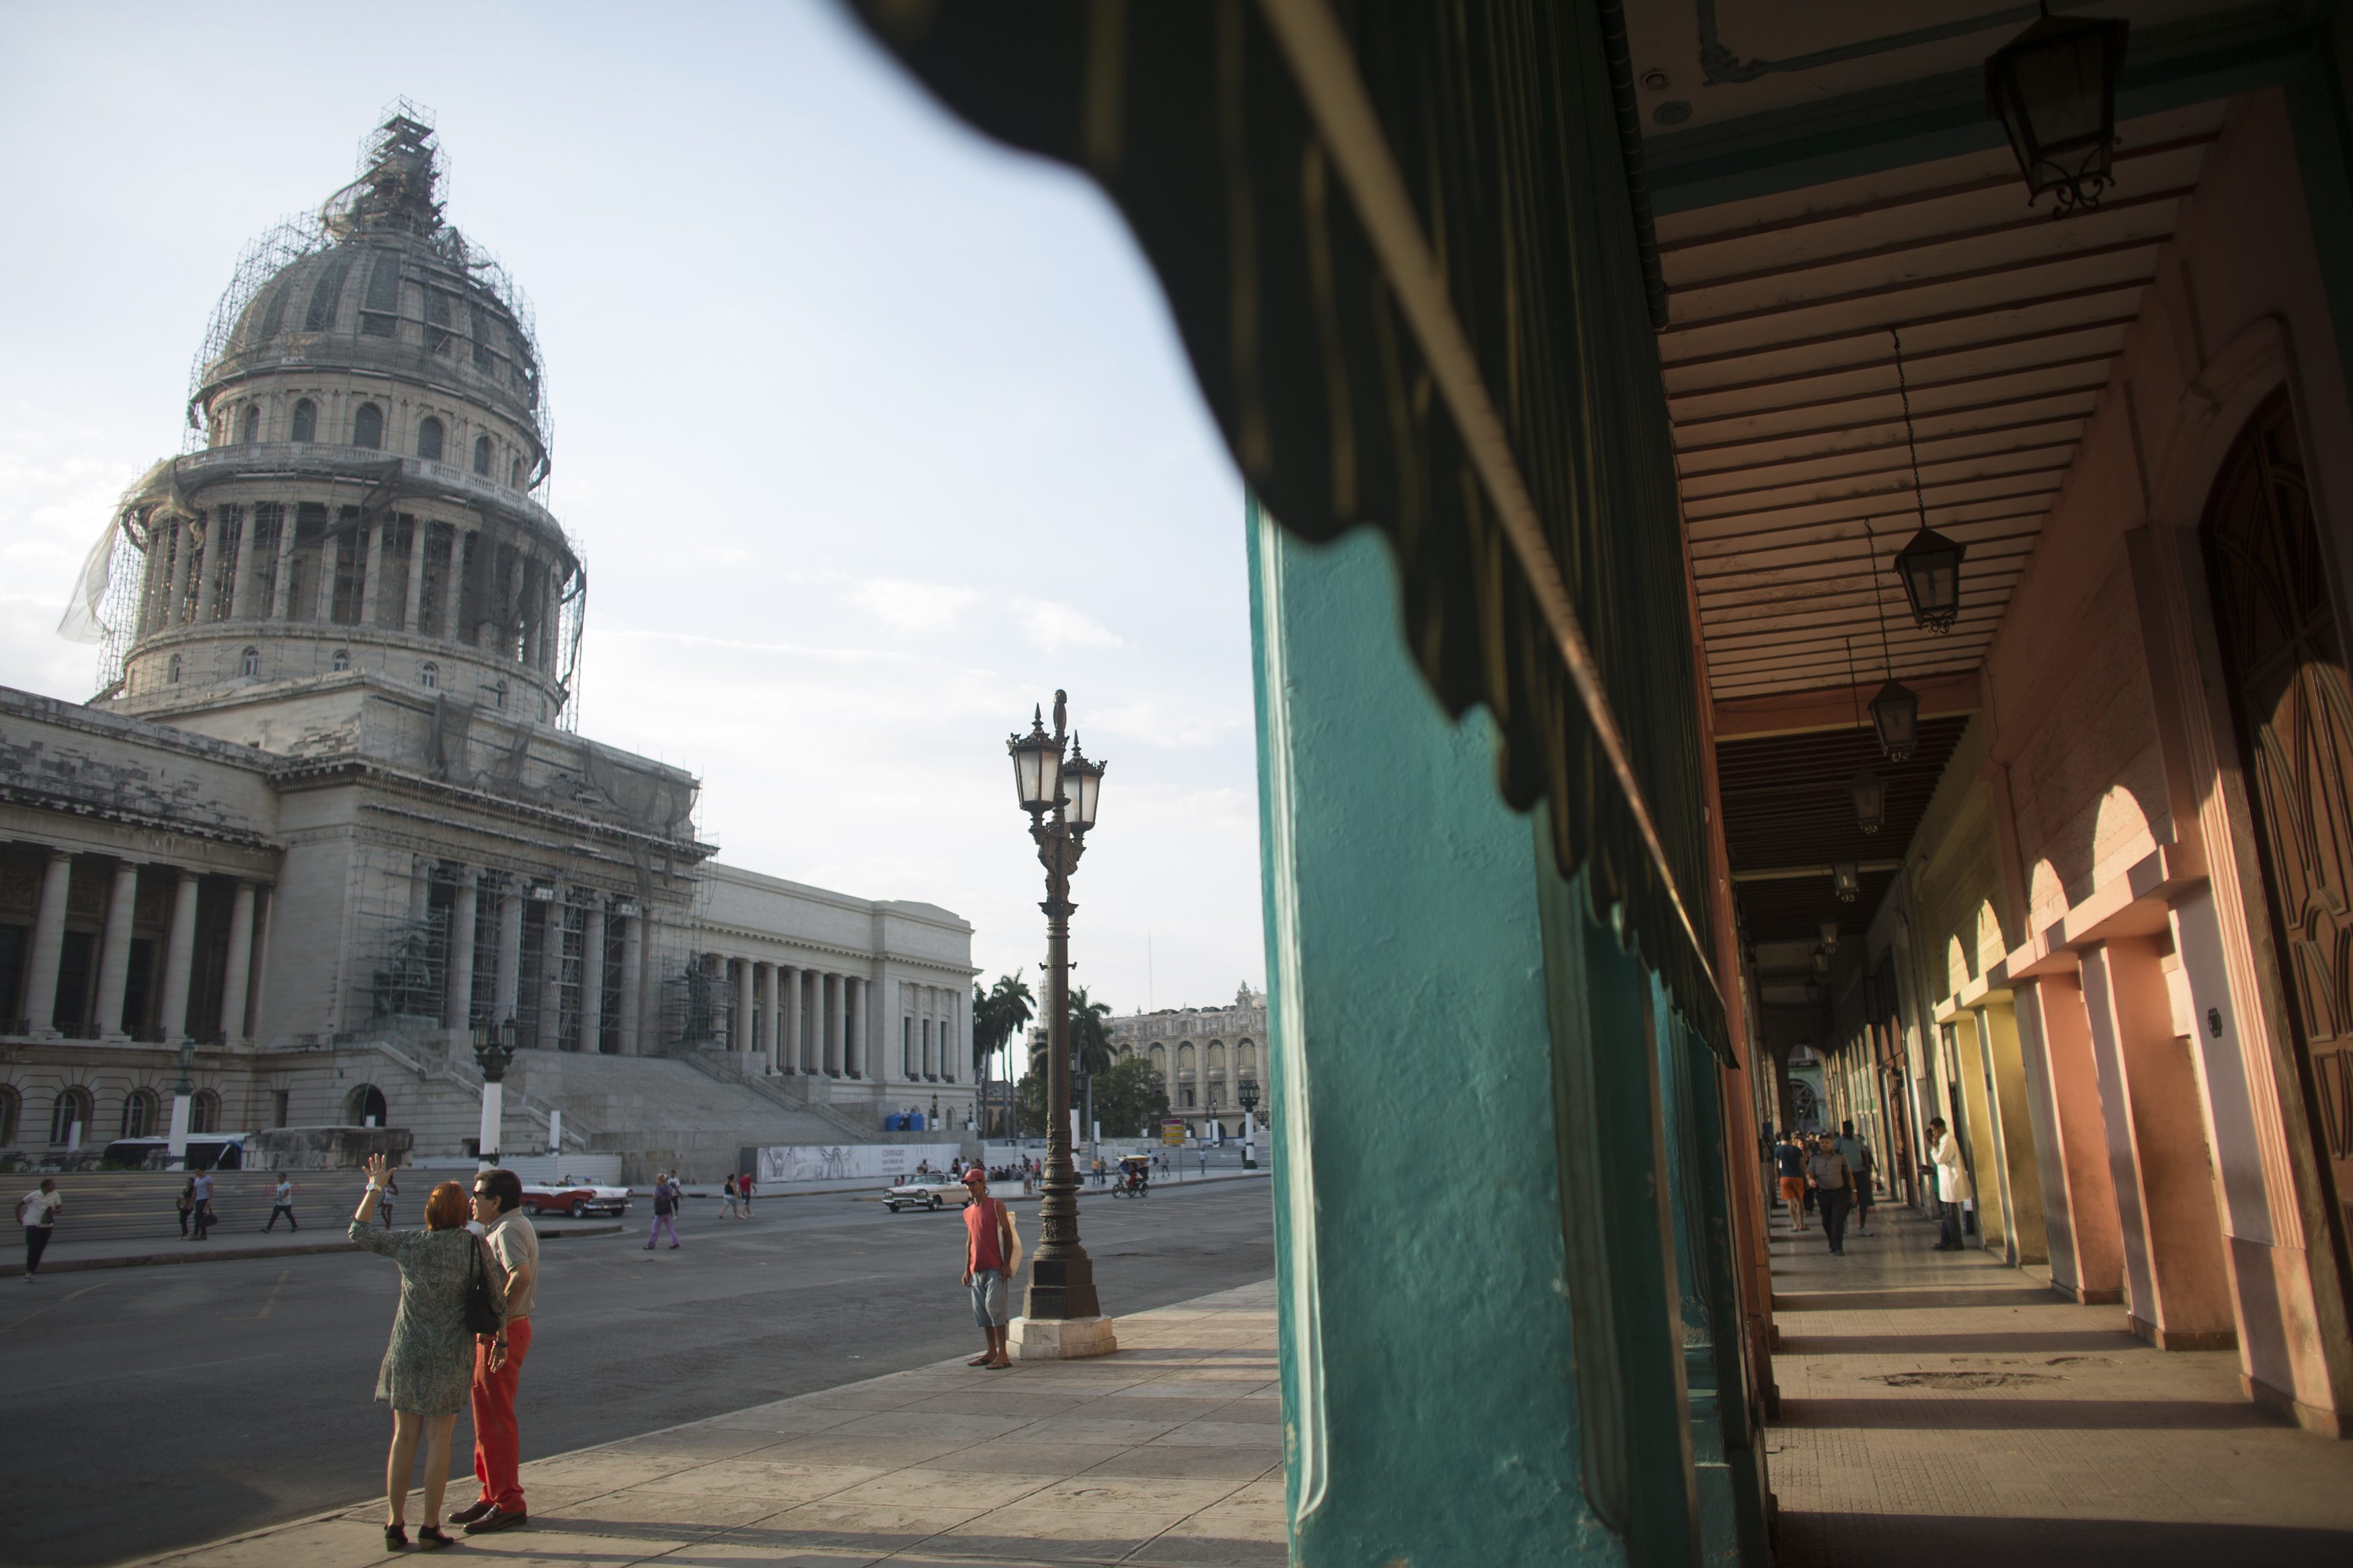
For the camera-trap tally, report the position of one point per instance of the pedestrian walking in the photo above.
(1204, 1153)
(281, 1202)
(728, 1192)
(1859, 1161)
(187, 1204)
(390, 1195)
(428, 1366)
(37, 1211)
(1789, 1161)
(665, 1204)
(497, 1358)
(992, 1253)
(1953, 1187)
(743, 1191)
(1832, 1181)
(200, 1203)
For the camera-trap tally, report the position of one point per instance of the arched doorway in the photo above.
(2284, 657)
(367, 1107)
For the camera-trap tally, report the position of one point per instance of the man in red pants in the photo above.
(497, 1358)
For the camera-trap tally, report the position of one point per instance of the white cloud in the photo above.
(908, 607)
(1054, 627)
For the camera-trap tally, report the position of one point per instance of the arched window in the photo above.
(1186, 1096)
(306, 421)
(1246, 1059)
(482, 456)
(72, 1106)
(203, 1111)
(366, 1107)
(248, 663)
(172, 670)
(428, 440)
(343, 660)
(514, 473)
(249, 424)
(12, 1111)
(367, 426)
(139, 1113)
(432, 676)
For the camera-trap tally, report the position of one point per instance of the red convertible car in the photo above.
(578, 1199)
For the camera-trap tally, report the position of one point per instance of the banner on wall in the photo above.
(784, 1164)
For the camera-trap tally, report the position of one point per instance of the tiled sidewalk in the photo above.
(1944, 1409)
(1168, 1453)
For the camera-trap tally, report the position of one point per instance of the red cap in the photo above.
(975, 1175)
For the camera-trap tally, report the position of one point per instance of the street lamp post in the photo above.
(494, 1047)
(1247, 1092)
(184, 1098)
(1060, 1317)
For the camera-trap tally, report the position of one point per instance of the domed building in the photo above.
(374, 427)
(327, 823)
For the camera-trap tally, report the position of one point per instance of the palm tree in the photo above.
(1089, 1042)
(997, 1015)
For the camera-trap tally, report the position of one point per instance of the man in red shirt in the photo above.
(992, 1251)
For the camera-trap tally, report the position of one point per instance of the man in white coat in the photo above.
(1952, 1183)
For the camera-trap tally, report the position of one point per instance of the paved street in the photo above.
(156, 1407)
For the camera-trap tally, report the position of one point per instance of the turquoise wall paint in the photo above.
(1429, 1367)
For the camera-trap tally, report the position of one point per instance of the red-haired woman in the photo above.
(428, 1369)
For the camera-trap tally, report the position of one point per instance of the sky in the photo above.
(871, 433)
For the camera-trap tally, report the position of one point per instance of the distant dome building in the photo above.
(373, 426)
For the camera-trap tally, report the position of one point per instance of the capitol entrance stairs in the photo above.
(665, 1113)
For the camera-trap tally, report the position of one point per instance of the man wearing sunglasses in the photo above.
(497, 1358)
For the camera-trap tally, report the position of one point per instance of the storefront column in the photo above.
(179, 961)
(2022, 1186)
(114, 951)
(2079, 1193)
(2177, 1288)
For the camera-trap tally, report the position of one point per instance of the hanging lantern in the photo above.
(1930, 567)
(1846, 880)
(2053, 88)
(1829, 936)
(1870, 792)
(1821, 961)
(1895, 714)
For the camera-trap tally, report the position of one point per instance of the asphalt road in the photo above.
(151, 1408)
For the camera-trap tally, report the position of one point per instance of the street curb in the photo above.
(239, 1254)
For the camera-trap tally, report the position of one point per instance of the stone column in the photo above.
(114, 955)
(853, 1053)
(592, 976)
(207, 567)
(240, 964)
(550, 1021)
(182, 557)
(789, 1032)
(829, 1022)
(420, 888)
(633, 960)
(371, 581)
(179, 959)
(281, 592)
(507, 985)
(776, 1026)
(419, 530)
(2079, 1191)
(460, 626)
(739, 1036)
(457, 994)
(48, 946)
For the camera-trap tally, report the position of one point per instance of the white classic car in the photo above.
(577, 1199)
(930, 1191)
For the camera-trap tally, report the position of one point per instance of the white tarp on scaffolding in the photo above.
(782, 1164)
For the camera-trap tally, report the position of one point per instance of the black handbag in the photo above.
(484, 1314)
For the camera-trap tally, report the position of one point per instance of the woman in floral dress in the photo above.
(428, 1369)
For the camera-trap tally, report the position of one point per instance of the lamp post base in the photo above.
(1061, 1339)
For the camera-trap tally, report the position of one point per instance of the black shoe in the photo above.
(472, 1512)
(396, 1537)
(431, 1539)
(497, 1520)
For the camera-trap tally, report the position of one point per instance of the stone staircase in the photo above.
(791, 1093)
(666, 1113)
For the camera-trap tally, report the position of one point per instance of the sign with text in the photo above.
(781, 1165)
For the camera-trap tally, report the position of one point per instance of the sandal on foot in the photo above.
(396, 1537)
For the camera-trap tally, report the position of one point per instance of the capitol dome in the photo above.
(373, 427)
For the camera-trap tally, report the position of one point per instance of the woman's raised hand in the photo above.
(379, 1170)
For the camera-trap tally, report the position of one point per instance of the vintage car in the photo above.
(930, 1191)
(577, 1199)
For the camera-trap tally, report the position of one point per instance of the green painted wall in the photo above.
(1429, 1393)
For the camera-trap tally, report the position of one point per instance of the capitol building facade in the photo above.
(328, 816)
